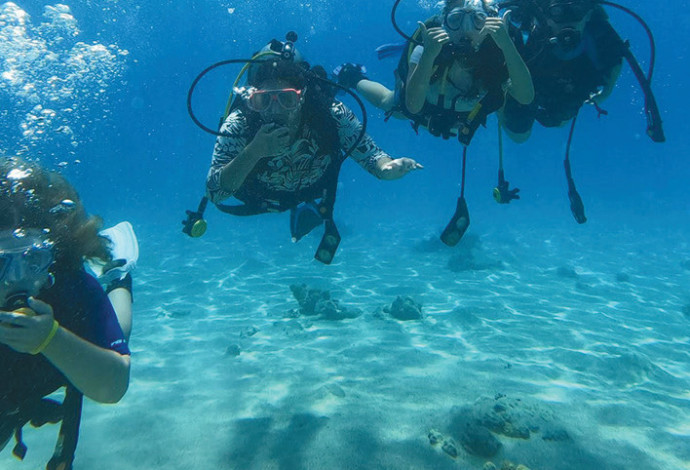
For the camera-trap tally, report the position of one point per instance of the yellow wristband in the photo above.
(48, 339)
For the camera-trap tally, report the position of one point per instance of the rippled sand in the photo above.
(589, 326)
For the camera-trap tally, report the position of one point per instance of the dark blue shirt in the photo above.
(80, 306)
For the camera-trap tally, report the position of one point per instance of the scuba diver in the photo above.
(57, 326)
(282, 143)
(450, 77)
(575, 57)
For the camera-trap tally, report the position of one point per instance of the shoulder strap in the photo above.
(66, 445)
(491, 102)
(46, 411)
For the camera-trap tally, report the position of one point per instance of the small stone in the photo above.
(318, 303)
(308, 298)
(518, 432)
(477, 440)
(450, 448)
(508, 465)
(566, 272)
(233, 350)
(489, 466)
(247, 332)
(379, 313)
(522, 467)
(405, 308)
(556, 435)
(292, 313)
(435, 437)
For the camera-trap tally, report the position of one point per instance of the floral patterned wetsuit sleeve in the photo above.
(367, 153)
(226, 149)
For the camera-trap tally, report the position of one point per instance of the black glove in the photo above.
(349, 75)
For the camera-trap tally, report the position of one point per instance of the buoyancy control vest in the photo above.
(25, 401)
(487, 66)
(563, 84)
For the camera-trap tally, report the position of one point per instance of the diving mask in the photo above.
(465, 18)
(261, 101)
(24, 254)
(568, 12)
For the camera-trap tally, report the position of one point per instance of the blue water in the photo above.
(589, 323)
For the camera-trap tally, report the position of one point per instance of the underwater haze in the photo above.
(569, 344)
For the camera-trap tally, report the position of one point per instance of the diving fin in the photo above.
(329, 243)
(303, 219)
(577, 207)
(458, 225)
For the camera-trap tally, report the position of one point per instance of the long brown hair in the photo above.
(316, 110)
(33, 197)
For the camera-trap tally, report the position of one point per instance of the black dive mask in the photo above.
(567, 39)
(568, 12)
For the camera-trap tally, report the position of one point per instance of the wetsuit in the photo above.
(297, 174)
(80, 306)
(456, 87)
(563, 81)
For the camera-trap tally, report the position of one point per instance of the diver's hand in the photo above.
(25, 333)
(434, 39)
(270, 140)
(398, 168)
(497, 28)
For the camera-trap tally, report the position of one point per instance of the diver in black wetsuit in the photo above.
(574, 56)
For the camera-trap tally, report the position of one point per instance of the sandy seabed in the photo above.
(585, 332)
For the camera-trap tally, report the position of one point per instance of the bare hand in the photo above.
(399, 167)
(497, 28)
(434, 39)
(25, 333)
(270, 140)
